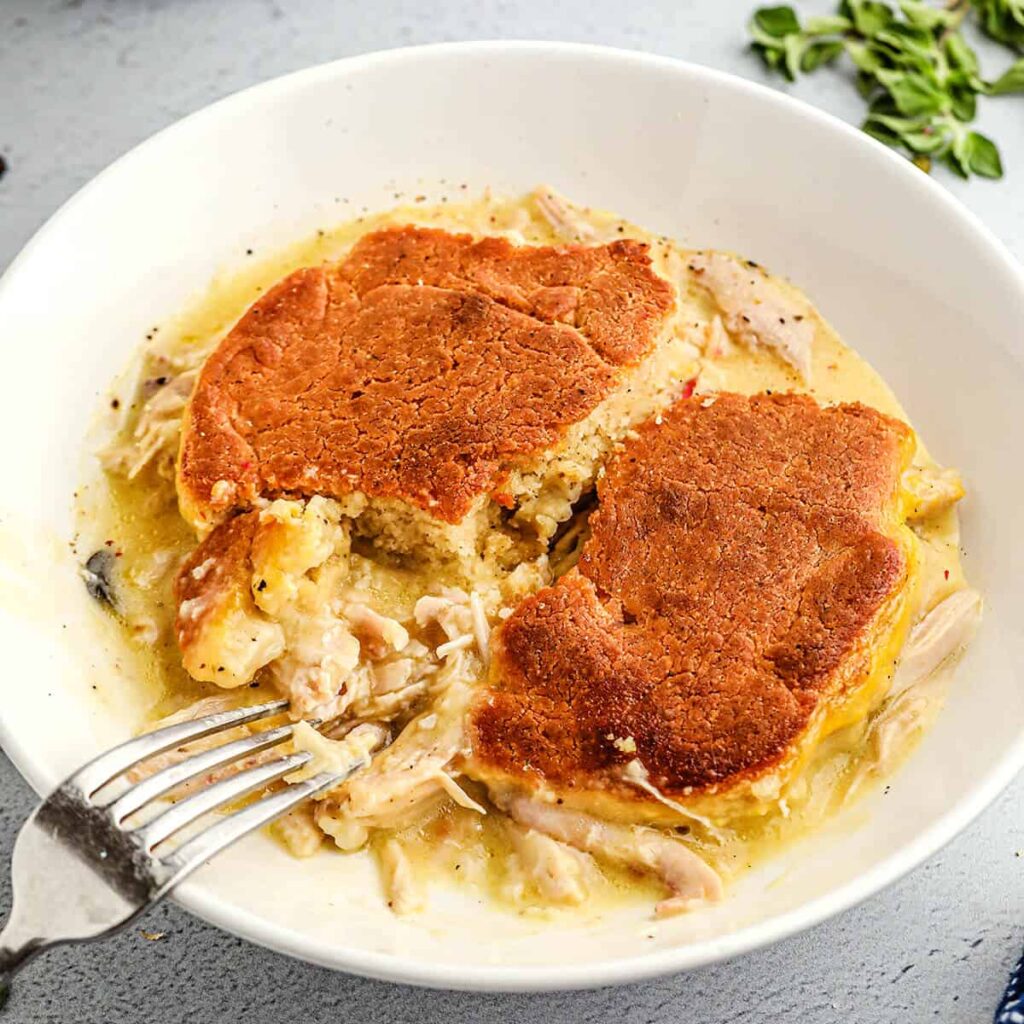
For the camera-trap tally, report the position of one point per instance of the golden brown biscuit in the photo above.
(746, 564)
(424, 368)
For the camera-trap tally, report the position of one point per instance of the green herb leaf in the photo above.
(868, 16)
(827, 25)
(923, 142)
(864, 57)
(907, 40)
(894, 122)
(819, 53)
(922, 15)
(776, 22)
(792, 49)
(955, 164)
(880, 132)
(1011, 80)
(959, 54)
(1003, 20)
(982, 156)
(866, 84)
(912, 94)
(964, 100)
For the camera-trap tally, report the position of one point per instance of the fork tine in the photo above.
(170, 778)
(108, 766)
(196, 851)
(234, 787)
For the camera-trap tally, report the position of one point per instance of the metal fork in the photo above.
(81, 872)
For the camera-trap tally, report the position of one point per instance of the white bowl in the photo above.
(910, 279)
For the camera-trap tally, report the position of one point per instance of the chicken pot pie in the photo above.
(641, 569)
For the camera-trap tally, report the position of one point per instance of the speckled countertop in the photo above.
(82, 82)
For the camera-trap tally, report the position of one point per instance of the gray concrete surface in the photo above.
(83, 81)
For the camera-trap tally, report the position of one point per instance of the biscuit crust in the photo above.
(746, 558)
(424, 367)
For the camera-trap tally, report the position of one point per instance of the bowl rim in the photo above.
(393, 967)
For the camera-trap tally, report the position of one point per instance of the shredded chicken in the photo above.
(939, 637)
(413, 774)
(316, 670)
(933, 489)
(559, 873)
(450, 609)
(378, 635)
(481, 628)
(348, 835)
(688, 877)
(154, 438)
(326, 648)
(945, 631)
(298, 832)
(329, 755)
(565, 221)
(755, 308)
(404, 895)
(344, 657)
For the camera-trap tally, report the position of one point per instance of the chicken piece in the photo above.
(756, 309)
(378, 634)
(945, 631)
(317, 670)
(636, 774)
(393, 676)
(268, 588)
(462, 618)
(565, 221)
(154, 439)
(559, 873)
(348, 835)
(688, 878)
(405, 780)
(349, 753)
(481, 627)
(450, 609)
(332, 643)
(933, 489)
(404, 895)
(934, 641)
(298, 832)
(393, 687)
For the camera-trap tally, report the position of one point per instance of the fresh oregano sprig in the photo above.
(918, 74)
(1003, 20)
